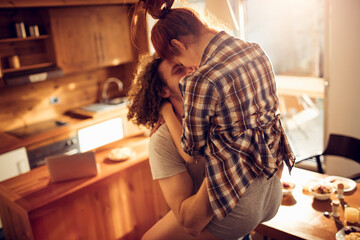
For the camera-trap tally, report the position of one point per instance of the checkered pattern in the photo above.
(231, 117)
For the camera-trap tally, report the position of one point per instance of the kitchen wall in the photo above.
(84, 77)
(28, 104)
(342, 53)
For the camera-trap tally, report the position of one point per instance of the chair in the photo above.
(339, 145)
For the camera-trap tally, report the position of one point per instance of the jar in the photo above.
(340, 191)
(335, 205)
(14, 61)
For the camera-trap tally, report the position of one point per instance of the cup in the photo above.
(14, 61)
(351, 214)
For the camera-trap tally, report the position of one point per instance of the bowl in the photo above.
(321, 191)
(287, 188)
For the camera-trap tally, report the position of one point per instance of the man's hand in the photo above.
(195, 212)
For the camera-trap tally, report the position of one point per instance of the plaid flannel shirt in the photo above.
(231, 118)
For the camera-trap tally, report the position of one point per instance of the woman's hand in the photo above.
(166, 108)
(159, 122)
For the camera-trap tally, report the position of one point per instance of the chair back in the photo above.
(343, 146)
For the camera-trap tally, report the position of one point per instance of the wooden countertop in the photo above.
(33, 190)
(9, 142)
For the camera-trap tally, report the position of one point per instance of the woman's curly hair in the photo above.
(144, 98)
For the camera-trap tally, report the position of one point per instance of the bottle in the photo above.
(340, 191)
(335, 205)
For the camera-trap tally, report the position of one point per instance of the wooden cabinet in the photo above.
(114, 33)
(75, 39)
(59, 3)
(90, 37)
(122, 202)
(30, 52)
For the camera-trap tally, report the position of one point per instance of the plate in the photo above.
(340, 235)
(349, 184)
(120, 154)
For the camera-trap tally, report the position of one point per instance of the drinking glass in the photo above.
(352, 214)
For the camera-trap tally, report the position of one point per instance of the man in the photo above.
(155, 82)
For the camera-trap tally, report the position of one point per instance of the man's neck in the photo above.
(178, 107)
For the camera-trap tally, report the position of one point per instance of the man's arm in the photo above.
(196, 212)
(193, 212)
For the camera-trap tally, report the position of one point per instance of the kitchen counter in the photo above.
(121, 202)
(10, 141)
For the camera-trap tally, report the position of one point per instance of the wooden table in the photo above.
(301, 216)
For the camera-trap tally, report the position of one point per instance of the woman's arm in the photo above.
(200, 98)
(175, 129)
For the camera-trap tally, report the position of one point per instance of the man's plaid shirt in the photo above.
(231, 118)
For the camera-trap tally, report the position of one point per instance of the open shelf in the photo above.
(9, 40)
(35, 66)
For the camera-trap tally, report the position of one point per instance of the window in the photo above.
(292, 34)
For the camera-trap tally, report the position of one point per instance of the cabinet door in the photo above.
(76, 38)
(114, 34)
(90, 37)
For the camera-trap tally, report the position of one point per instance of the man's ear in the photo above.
(165, 92)
(176, 43)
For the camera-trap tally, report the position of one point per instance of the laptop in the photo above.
(68, 167)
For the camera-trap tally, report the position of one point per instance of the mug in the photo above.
(14, 61)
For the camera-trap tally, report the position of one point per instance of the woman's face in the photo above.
(186, 60)
(188, 56)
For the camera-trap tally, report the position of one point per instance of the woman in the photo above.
(230, 110)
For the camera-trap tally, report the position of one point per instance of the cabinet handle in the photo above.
(97, 44)
(102, 48)
(21, 166)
